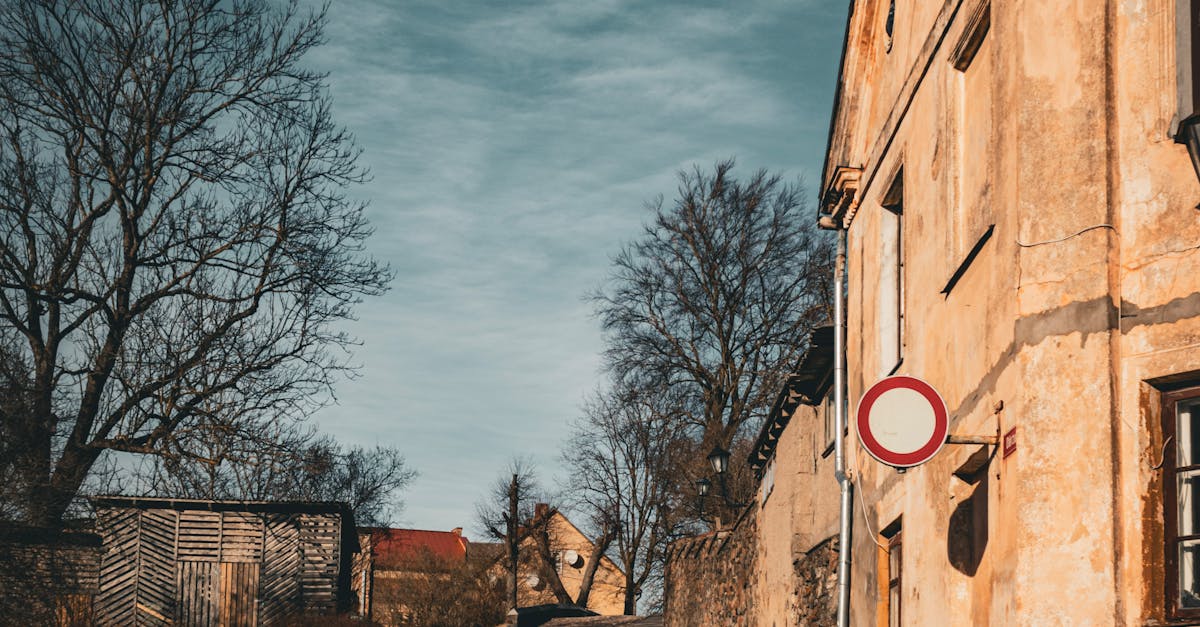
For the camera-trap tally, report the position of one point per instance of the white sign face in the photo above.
(902, 421)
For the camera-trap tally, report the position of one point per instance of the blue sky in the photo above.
(513, 147)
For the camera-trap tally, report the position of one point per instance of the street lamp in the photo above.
(719, 458)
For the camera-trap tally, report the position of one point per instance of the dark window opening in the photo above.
(889, 27)
(1181, 501)
(891, 564)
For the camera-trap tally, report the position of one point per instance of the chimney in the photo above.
(457, 531)
(540, 510)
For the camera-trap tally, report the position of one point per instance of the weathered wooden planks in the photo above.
(116, 602)
(279, 587)
(202, 567)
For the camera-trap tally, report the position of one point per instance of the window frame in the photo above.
(889, 577)
(767, 485)
(1170, 499)
(829, 419)
(893, 204)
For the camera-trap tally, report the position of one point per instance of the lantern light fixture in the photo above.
(719, 458)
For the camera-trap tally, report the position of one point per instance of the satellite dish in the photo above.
(572, 558)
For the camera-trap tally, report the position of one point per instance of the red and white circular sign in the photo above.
(902, 421)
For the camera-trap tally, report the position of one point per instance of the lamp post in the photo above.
(718, 458)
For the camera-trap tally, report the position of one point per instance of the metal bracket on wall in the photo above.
(990, 440)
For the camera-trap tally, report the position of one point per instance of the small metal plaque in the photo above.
(1010, 442)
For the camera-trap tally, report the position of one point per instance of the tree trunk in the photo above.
(630, 594)
(599, 548)
(541, 539)
(49, 505)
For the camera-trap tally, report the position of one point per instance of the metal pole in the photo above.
(839, 410)
(511, 540)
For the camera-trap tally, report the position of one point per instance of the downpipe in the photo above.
(839, 410)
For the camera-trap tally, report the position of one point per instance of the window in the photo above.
(972, 58)
(768, 479)
(891, 274)
(890, 566)
(1181, 501)
(830, 421)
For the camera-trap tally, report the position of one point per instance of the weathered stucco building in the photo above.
(1015, 184)
(1021, 217)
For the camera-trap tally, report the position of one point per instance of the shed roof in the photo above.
(227, 505)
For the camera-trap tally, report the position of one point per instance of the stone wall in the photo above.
(815, 600)
(710, 579)
(48, 577)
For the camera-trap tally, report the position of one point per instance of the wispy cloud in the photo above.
(512, 149)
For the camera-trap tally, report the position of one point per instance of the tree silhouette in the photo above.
(175, 239)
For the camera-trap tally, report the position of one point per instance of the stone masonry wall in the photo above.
(815, 600)
(711, 581)
(710, 578)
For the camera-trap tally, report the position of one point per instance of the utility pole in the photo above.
(512, 542)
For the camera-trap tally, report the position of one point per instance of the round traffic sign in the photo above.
(902, 421)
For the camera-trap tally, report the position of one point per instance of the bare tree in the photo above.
(288, 463)
(625, 467)
(175, 239)
(515, 512)
(717, 297)
(504, 514)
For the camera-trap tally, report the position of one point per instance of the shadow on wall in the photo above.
(968, 537)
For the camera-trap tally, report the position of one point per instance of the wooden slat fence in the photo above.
(320, 546)
(117, 600)
(221, 568)
(156, 568)
(279, 587)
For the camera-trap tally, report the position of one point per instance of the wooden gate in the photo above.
(213, 594)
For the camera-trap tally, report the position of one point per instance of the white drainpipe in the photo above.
(839, 410)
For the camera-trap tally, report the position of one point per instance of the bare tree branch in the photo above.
(716, 298)
(176, 244)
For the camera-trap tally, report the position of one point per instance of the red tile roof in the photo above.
(391, 546)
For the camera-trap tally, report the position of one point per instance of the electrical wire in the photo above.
(1163, 455)
(867, 521)
(1063, 239)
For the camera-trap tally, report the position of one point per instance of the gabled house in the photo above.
(571, 550)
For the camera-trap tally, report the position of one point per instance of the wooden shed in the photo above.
(228, 563)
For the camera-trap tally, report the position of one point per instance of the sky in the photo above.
(513, 148)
